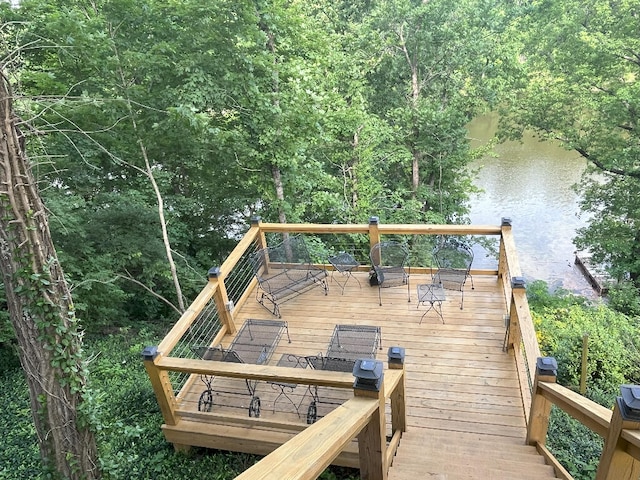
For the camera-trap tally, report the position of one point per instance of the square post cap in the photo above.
(149, 353)
(374, 220)
(629, 402)
(518, 282)
(255, 219)
(368, 373)
(547, 366)
(396, 355)
(505, 222)
(214, 272)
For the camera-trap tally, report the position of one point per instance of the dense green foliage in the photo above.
(561, 320)
(579, 72)
(127, 418)
(213, 112)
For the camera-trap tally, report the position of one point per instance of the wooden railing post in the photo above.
(546, 371)
(162, 388)
(503, 268)
(223, 305)
(374, 232)
(515, 334)
(398, 405)
(372, 439)
(615, 462)
(262, 240)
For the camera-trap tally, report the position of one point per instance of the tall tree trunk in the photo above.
(148, 171)
(412, 63)
(41, 311)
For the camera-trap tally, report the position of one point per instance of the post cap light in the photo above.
(214, 272)
(518, 282)
(396, 355)
(368, 373)
(629, 402)
(505, 222)
(547, 366)
(149, 353)
(374, 220)
(255, 219)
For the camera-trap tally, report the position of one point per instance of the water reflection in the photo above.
(530, 182)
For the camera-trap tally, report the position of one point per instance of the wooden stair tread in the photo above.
(435, 454)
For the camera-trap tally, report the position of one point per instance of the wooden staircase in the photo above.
(429, 454)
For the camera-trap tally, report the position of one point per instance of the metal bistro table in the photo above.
(433, 295)
(286, 389)
(344, 263)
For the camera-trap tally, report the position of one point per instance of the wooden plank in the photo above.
(310, 452)
(459, 384)
(589, 413)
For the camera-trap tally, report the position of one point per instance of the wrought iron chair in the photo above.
(284, 271)
(388, 261)
(348, 344)
(453, 260)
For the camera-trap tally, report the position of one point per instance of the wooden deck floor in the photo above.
(465, 418)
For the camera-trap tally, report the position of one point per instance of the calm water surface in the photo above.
(530, 182)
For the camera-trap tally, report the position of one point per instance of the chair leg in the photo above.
(462, 299)
(380, 295)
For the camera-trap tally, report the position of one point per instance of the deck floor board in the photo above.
(462, 390)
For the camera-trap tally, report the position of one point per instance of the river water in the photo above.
(530, 182)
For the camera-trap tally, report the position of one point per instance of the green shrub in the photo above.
(127, 420)
(561, 320)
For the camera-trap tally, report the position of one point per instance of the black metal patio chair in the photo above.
(348, 344)
(453, 259)
(389, 264)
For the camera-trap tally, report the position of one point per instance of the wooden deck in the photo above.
(464, 409)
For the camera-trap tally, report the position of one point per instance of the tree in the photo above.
(580, 87)
(434, 75)
(41, 310)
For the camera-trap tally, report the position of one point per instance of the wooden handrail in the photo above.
(312, 450)
(268, 373)
(182, 325)
(620, 459)
(385, 229)
(586, 411)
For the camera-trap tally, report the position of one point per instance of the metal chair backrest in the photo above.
(453, 259)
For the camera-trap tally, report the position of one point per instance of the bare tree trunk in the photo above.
(412, 63)
(41, 311)
(148, 171)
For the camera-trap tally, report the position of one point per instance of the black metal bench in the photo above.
(255, 343)
(348, 344)
(284, 271)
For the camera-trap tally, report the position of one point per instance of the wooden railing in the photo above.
(620, 458)
(312, 450)
(159, 363)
